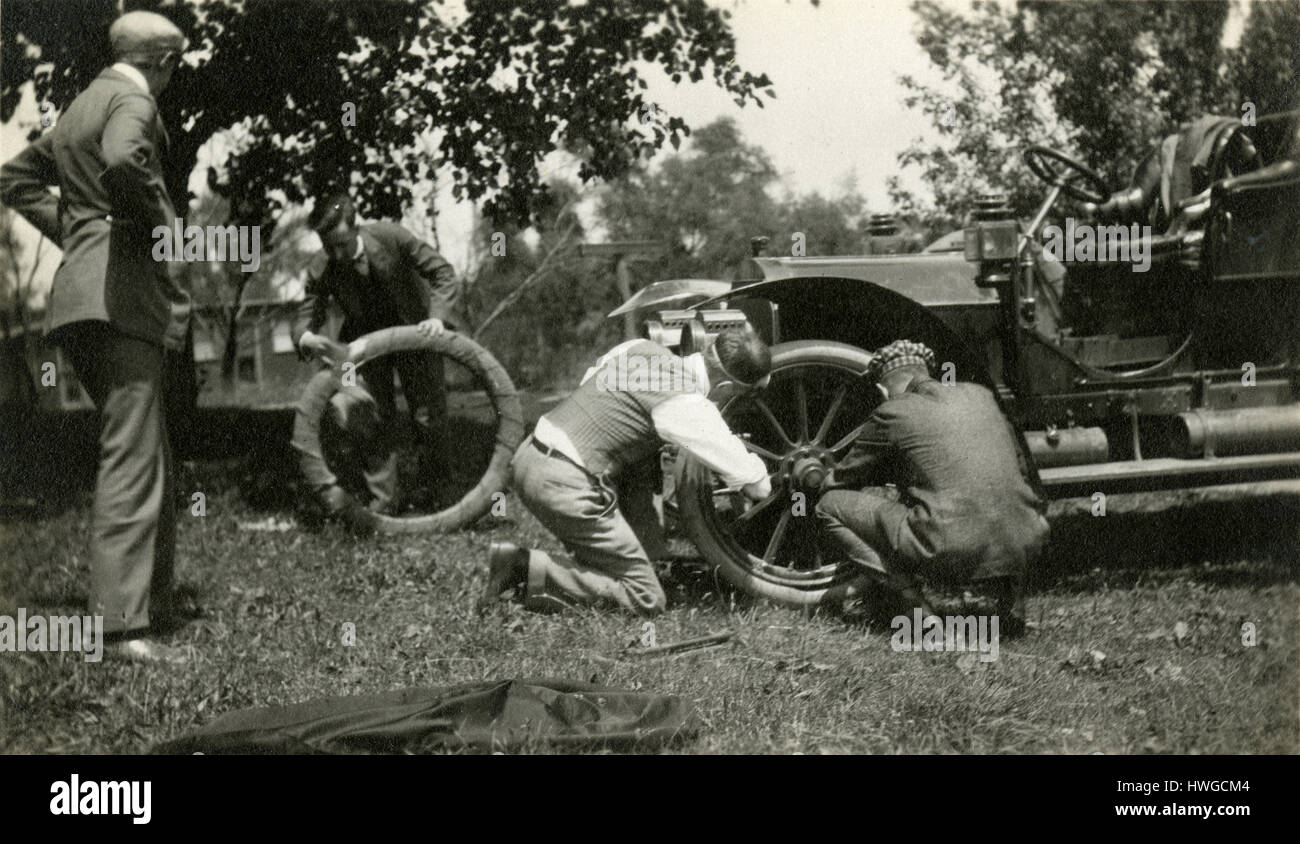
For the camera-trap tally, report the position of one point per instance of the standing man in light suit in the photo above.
(113, 310)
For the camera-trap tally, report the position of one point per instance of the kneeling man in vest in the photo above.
(573, 473)
(961, 511)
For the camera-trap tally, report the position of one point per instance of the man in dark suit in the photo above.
(380, 275)
(963, 511)
(113, 310)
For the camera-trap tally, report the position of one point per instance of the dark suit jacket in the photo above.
(413, 277)
(105, 154)
(952, 451)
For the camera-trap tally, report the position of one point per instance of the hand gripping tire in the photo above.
(509, 432)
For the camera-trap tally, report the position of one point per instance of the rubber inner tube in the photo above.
(473, 504)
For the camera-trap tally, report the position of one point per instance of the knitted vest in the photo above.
(608, 417)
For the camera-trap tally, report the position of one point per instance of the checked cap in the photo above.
(898, 354)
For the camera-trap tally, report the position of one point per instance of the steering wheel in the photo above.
(1042, 162)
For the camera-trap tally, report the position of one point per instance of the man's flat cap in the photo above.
(145, 34)
(898, 354)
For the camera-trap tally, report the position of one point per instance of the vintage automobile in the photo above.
(1185, 375)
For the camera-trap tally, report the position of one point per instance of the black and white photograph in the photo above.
(649, 377)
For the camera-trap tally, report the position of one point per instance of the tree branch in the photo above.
(533, 277)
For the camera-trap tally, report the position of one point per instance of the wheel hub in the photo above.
(805, 469)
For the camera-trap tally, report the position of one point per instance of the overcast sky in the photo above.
(838, 109)
(838, 112)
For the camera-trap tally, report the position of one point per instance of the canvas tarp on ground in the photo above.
(495, 715)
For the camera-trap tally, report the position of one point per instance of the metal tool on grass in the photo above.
(698, 643)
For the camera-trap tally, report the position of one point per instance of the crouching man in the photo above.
(582, 474)
(962, 513)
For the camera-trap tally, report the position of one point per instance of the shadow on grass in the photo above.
(1212, 536)
(51, 458)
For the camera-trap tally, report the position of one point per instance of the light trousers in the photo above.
(609, 565)
(133, 529)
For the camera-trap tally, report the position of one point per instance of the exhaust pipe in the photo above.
(1068, 446)
(1253, 430)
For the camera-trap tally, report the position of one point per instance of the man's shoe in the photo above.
(1012, 622)
(885, 604)
(913, 599)
(507, 569)
(1010, 607)
(1012, 626)
(147, 651)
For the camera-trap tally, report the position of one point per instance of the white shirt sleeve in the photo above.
(693, 423)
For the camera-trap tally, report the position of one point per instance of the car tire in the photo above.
(715, 541)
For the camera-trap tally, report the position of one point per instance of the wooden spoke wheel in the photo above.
(801, 426)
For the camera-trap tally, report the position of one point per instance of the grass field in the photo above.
(1138, 648)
